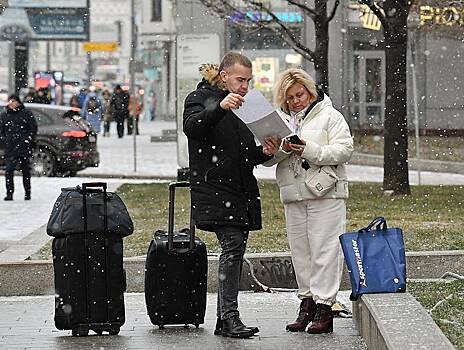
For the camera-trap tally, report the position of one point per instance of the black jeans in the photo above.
(120, 127)
(106, 128)
(10, 166)
(233, 242)
(130, 125)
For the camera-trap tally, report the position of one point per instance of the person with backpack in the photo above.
(92, 110)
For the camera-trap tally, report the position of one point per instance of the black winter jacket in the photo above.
(222, 155)
(120, 105)
(18, 130)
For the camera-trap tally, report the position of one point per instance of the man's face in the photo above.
(12, 104)
(237, 78)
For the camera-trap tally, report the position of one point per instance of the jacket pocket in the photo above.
(211, 172)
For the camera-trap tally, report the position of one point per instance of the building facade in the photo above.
(356, 55)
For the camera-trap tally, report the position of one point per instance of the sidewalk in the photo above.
(27, 323)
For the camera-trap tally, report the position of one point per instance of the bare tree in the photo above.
(230, 9)
(393, 14)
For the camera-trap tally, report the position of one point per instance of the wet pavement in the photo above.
(27, 323)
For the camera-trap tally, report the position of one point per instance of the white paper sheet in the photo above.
(261, 118)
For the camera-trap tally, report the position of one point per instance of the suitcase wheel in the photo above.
(161, 326)
(80, 332)
(197, 325)
(114, 331)
(99, 332)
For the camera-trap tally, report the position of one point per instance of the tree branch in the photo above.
(286, 33)
(310, 12)
(377, 11)
(334, 9)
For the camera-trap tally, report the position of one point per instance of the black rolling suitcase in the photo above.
(176, 273)
(88, 259)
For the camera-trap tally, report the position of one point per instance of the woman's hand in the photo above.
(297, 149)
(271, 145)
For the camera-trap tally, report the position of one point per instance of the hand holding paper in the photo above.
(261, 118)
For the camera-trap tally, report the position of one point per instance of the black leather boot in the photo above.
(27, 196)
(9, 196)
(323, 320)
(234, 328)
(305, 315)
(218, 328)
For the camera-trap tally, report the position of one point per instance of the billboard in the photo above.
(47, 3)
(192, 51)
(25, 20)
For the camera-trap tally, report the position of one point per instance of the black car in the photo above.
(65, 142)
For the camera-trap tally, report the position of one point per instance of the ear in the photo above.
(223, 75)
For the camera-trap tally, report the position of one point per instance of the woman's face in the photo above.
(298, 98)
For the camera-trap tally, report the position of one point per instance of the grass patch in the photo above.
(445, 148)
(431, 218)
(449, 315)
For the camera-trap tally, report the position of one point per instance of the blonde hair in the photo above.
(287, 79)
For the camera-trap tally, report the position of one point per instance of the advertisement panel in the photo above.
(47, 3)
(25, 20)
(192, 51)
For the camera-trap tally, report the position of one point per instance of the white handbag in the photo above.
(320, 180)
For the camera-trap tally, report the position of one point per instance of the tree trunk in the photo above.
(396, 175)
(321, 51)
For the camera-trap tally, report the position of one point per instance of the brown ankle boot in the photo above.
(306, 315)
(323, 320)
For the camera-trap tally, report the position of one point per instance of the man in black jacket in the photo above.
(18, 130)
(225, 195)
(120, 106)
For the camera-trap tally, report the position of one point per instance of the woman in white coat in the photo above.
(313, 188)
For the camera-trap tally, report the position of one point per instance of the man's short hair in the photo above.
(14, 97)
(232, 58)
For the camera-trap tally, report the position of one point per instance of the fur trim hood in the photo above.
(210, 73)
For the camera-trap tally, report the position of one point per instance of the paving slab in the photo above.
(27, 323)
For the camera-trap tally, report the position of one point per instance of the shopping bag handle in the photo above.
(379, 221)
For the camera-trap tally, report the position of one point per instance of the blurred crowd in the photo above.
(102, 107)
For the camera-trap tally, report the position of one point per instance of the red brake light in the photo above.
(75, 133)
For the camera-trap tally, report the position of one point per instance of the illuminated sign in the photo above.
(449, 15)
(257, 16)
(100, 46)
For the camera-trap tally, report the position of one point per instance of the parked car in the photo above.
(65, 142)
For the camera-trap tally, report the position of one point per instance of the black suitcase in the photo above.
(176, 272)
(89, 276)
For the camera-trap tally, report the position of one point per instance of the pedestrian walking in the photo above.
(120, 107)
(92, 109)
(18, 130)
(313, 187)
(135, 110)
(224, 191)
(107, 112)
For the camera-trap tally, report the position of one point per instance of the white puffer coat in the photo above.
(328, 142)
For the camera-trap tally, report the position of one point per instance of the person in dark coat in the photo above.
(225, 194)
(18, 130)
(120, 107)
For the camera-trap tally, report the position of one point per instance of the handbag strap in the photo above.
(379, 221)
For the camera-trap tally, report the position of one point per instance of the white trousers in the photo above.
(313, 228)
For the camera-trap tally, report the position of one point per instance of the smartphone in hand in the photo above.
(294, 139)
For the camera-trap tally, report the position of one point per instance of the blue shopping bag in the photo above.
(375, 259)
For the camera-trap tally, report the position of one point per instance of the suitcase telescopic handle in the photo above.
(87, 185)
(172, 196)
